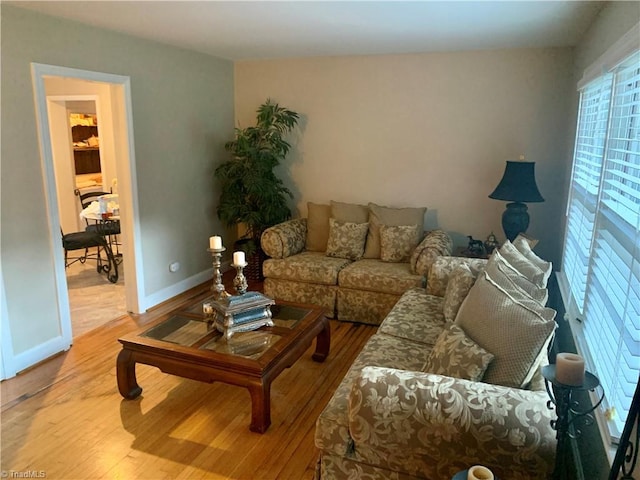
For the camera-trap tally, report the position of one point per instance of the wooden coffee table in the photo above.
(185, 345)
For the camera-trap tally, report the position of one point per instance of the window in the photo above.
(601, 257)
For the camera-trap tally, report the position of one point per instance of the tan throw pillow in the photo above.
(458, 286)
(349, 212)
(522, 264)
(509, 278)
(456, 355)
(394, 217)
(346, 239)
(317, 227)
(397, 242)
(524, 247)
(515, 330)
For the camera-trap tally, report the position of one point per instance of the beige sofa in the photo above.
(450, 379)
(354, 260)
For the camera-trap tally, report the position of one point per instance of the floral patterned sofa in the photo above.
(450, 379)
(354, 260)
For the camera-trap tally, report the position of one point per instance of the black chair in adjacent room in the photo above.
(84, 241)
(106, 228)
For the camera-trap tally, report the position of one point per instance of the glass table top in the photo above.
(192, 329)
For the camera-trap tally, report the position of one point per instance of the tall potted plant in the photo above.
(251, 193)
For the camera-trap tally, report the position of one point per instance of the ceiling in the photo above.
(240, 30)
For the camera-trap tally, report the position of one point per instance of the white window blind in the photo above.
(601, 260)
(585, 184)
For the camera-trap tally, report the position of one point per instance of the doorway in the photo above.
(113, 109)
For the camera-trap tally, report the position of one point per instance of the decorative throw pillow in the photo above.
(501, 272)
(456, 355)
(317, 227)
(391, 216)
(458, 286)
(346, 239)
(349, 212)
(397, 242)
(515, 330)
(522, 264)
(524, 247)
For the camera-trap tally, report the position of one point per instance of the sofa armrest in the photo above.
(435, 244)
(434, 426)
(285, 239)
(443, 267)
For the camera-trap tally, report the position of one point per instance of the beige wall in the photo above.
(428, 130)
(182, 105)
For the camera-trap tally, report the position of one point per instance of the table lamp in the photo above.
(518, 185)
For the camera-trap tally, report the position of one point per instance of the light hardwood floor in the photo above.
(65, 418)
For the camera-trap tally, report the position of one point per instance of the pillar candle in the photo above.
(238, 258)
(215, 242)
(478, 472)
(570, 369)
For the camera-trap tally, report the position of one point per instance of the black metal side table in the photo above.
(568, 412)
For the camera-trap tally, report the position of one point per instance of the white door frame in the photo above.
(129, 214)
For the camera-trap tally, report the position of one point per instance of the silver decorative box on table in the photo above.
(240, 313)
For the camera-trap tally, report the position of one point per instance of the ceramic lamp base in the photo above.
(515, 220)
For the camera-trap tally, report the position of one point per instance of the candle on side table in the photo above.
(238, 258)
(570, 369)
(215, 242)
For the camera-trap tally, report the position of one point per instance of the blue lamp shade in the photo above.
(518, 185)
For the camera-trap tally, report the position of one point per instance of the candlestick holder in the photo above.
(219, 291)
(240, 281)
(568, 412)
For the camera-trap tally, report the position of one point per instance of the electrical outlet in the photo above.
(174, 267)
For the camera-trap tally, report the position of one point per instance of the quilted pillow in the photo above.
(523, 265)
(458, 286)
(397, 242)
(346, 239)
(379, 215)
(515, 329)
(523, 246)
(317, 227)
(509, 278)
(456, 355)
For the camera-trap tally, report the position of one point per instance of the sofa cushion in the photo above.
(377, 276)
(510, 279)
(397, 242)
(456, 355)
(346, 239)
(380, 215)
(523, 265)
(317, 227)
(349, 212)
(417, 317)
(436, 243)
(442, 269)
(524, 247)
(515, 329)
(307, 267)
(460, 282)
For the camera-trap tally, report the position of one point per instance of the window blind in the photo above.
(585, 184)
(601, 258)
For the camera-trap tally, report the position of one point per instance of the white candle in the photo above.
(215, 242)
(238, 258)
(570, 369)
(478, 472)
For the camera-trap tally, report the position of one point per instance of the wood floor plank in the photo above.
(66, 418)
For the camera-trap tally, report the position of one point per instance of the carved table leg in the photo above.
(323, 343)
(260, 406)
(126, 375)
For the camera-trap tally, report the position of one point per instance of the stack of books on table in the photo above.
(241, 313)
